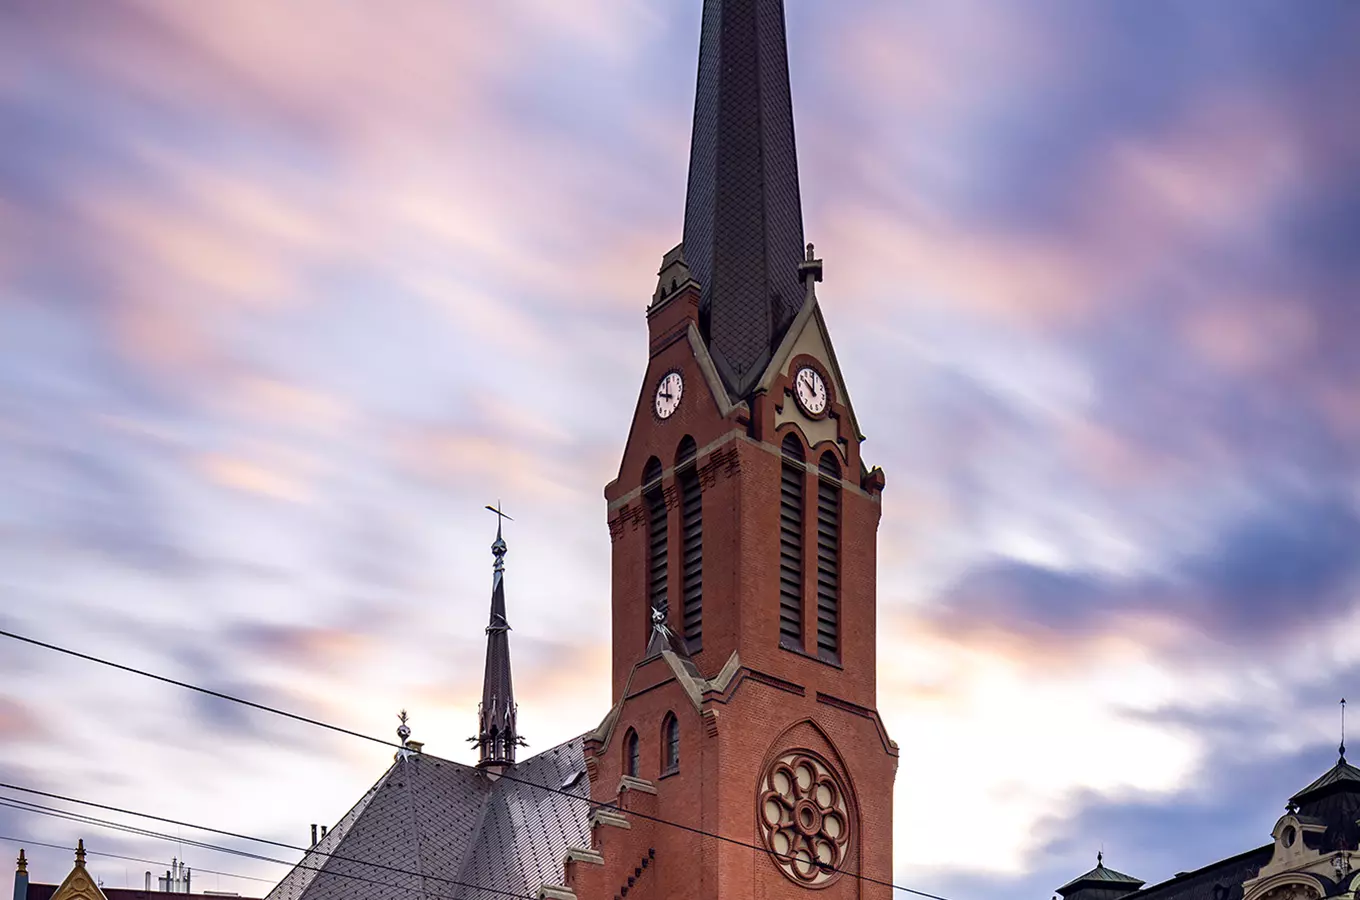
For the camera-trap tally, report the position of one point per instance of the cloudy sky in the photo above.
(289, 291)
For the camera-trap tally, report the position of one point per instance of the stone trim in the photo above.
(604, 815)
(632, 783)
(872, 715)
(582, 854)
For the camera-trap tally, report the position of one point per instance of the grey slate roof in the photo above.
(1103, 877)
(431, 827)
(1220, 881)
(743, 216)
(1341, 776)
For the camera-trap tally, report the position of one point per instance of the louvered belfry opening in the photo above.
(828, 557)
(791, 545)
(656, 539)
(691, 545)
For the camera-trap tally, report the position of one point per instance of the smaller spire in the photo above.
(23, 862)
(497, 734)
(80, 853)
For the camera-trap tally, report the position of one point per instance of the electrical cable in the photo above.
(377, 740)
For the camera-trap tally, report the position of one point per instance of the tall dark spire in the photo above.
(497, 735)
(743, 215)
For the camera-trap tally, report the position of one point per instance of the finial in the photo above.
(498, 548)
(403, 730)
(810, 255)
(1100, 857)
(23, 862)
(659, 622)
(80, 852)
(1341, 750)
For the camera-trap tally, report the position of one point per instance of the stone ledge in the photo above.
(583, 854)
(611, 817)
(630, 783)
(555, 892)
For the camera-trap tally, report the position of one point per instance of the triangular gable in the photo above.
(808, 335)
(79, 885)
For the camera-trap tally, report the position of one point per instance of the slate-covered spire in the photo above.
(497, 735)
(743, 216)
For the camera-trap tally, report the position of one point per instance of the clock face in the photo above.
(810, 390)
(668, 393)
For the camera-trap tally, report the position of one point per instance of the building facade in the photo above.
(78, 884)
(1312, 855)
(743, 756)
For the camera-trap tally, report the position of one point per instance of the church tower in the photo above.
(744, 526)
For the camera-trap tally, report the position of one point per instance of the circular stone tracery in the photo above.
(805, 818)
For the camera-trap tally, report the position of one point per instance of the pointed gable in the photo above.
(78, 885)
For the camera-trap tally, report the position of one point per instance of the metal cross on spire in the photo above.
(498, 548)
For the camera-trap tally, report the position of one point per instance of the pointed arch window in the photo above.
(691, 544)
(828, 556)
(670, 745)
(657, 539)
(630, 753)
(791, 482)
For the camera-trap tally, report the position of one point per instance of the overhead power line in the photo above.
(386, 743)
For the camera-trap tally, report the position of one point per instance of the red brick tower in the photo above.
(744, 526)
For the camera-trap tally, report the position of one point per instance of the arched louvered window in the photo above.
(791, 482)
(630, 753)
(828, 557)
(670, 745)
(691, 544)
(655, 502)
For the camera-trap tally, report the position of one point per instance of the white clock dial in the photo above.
(668, 393)
(810, 390)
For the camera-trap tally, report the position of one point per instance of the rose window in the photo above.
(805, 818)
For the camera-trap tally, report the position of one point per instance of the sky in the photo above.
(290, 291)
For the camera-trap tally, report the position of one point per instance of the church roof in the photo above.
(743, 238)
(430, 824)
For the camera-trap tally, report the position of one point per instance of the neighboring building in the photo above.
(744, 530)
(1311, 857)
(78, 885)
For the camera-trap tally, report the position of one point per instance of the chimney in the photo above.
(148, 881)
(323, 832)
(313, 834)
(21, 878)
